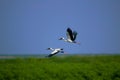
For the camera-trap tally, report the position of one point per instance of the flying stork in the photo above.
(54, 51)
(71, 36)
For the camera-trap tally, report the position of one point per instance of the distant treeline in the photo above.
(61, 68)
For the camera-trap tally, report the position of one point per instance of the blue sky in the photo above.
(31, 26)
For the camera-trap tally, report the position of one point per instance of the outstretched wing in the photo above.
(74, 35)
(53, 53)
(50, 55)
(69, 34)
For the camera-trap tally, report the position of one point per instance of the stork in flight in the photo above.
(54, 51)
(71, 36)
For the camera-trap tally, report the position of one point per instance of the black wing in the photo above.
(74, 35)
(50, 55)
(69, 31)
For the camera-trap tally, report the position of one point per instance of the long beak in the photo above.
(47, 49)
(65, 53)
(59, 39)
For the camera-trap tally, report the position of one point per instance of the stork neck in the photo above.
(51, 49)
(65, 39)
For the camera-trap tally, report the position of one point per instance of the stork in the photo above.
(55, 51)
(71, 36)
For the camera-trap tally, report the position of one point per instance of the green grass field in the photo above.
(61, 68)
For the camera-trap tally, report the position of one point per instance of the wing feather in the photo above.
(54, 52)
(69, 34)
(74, 35)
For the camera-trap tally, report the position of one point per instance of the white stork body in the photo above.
(55, 51)
(71, 36)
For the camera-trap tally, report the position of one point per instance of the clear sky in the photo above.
(31, 26)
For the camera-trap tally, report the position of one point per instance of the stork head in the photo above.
(49, 48)
(61, 38)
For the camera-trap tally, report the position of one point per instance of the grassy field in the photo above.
(61, 68)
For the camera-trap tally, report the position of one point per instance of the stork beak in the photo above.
(48, 49)
(61, 38)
